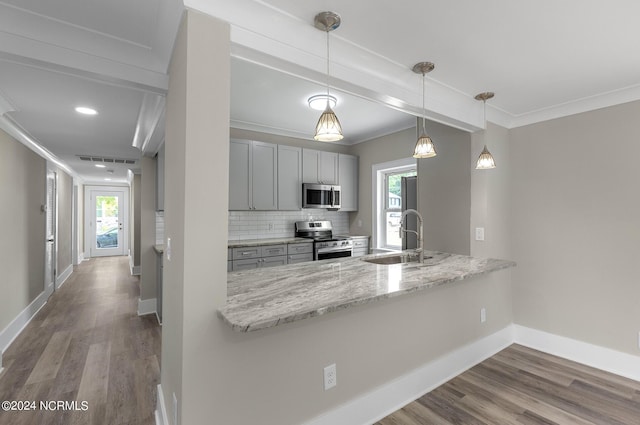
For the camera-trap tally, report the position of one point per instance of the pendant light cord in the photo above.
(424, 109)
(327, 67)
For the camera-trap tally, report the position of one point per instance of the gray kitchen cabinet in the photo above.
(299, 252)
(253, 175)
(248, 258)
(348, 181)
(319, 167)
(160, 179)
(360, 246)
(289, 178)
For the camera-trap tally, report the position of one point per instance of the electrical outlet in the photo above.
(330, 377)
(168, 249)
(479, 233)
(483, 315)
(270, 227)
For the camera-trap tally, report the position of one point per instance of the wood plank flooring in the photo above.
(524, 386)
(87, 344)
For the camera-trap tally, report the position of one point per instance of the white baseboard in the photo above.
(146, 306)
(161, 409)
(62, 278)
(11, 332)
(602, 358)
(388, 398)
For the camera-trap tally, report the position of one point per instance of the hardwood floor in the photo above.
(523, 386)
(87, 344)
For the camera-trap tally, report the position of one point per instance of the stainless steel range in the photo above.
(325, 245)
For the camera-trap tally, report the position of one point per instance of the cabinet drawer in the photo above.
(360, 243)
(273, 261)
(300, 248)
(300, 258)
(247, 252)
(248, 264)
(274, 250)
(360, 252)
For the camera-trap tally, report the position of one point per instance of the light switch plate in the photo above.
(168, 249)
(479, 233)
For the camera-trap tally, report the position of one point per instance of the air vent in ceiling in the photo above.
(107, 160)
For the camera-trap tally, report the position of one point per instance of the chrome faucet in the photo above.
(402, 231)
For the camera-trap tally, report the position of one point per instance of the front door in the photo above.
(108, 211)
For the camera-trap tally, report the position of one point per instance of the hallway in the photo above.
(86, 344)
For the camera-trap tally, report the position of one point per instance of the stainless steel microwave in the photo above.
(320, 196)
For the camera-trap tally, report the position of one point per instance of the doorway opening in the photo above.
(107, 221)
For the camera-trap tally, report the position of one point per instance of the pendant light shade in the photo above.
(485, 160)
(424, 146)
(328, 128)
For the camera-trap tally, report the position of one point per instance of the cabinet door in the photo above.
(264, 176)
(310, 161)
(328, 168)
(348, 181)
(160, 180)
(289, 178)
(239, 175)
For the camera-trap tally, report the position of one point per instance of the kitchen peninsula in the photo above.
(259, 299)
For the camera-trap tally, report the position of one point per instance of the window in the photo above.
(388, 202)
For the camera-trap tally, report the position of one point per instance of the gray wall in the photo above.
(22, 190)
(148, 229)
(136, 210)
(65, 221)
(444, 184)
(444, 188)
(214, 371)
(576, 226)
(383, 149)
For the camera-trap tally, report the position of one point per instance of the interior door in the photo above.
(50, 243)
(108, 211)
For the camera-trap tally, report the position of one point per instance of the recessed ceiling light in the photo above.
(86, 111)
(100, 165)
(319, 101)
(108, 179)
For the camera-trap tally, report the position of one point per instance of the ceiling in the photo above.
(543, 59)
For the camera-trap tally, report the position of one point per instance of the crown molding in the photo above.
(15, 131)
(6, 105)
(149, 133)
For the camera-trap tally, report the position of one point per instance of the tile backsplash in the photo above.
(280, 224)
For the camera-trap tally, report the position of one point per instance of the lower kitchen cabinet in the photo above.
(159, 271)
(360, 246)
(254, 257)
(258, 256)
(299, 253)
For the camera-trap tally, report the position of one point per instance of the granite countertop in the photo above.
(263, 298)
(258, 242)
(159, 248)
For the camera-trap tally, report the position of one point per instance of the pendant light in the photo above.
(485, 160)
(328, 128)
(424, 146)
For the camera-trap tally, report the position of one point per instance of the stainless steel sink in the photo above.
(393, 259)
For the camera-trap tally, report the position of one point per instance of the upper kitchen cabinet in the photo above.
(319, 167)
(160, 179)
(348, 181)
(289, 178)
(253, 173)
